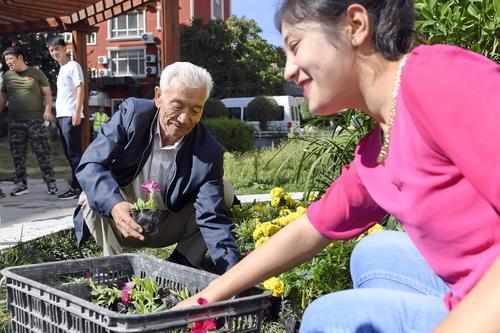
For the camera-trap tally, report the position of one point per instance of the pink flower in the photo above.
(204, 325)
(127, 287)
(150, 186)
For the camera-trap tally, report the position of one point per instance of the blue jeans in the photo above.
(395, 290)
(71, 139)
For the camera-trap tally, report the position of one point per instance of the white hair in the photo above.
(189, 74)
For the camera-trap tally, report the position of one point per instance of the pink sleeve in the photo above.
(346, 209)
(457, 103)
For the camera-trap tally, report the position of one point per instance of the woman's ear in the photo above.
(358, 21)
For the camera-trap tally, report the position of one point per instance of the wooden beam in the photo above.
(80, 56)
(170, 32)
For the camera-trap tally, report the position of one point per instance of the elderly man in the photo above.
(160, 140)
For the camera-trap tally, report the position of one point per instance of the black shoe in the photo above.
(72, 193)
(20, 189)
(2, 195)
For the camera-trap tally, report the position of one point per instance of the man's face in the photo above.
(180, 108)
(14, 62)
(58, 52)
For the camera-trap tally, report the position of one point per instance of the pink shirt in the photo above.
(441, 178)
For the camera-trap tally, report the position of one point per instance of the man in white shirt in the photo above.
(69, 112)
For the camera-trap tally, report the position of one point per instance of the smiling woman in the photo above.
(429, 169)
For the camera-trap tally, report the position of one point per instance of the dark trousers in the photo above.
(22, 131)
(71, 139)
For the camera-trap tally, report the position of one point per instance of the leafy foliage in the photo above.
(214, 108)
(325, 155)
(240, 61)
(233, 134)
(471, 24)
(262, 109)
(35, 52)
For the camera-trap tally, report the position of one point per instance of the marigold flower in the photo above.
(275, 285)
(277, 192)
(376, 228)
(275, 202)
(260, 241)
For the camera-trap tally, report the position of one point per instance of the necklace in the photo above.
(382, 155)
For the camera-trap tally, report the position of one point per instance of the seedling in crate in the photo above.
(146, 213)
(138, 296)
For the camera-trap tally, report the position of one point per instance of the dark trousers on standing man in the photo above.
(71, 138)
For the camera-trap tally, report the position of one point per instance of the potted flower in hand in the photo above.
(146, 213)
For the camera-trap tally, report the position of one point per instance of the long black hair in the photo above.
(392, 20)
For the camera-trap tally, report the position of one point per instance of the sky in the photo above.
(262, 11)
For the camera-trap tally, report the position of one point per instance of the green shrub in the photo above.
(262, 109)
(235, 135)
(214, 108)
(471, 24)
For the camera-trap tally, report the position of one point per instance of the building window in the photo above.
(92, 72)
(158, 18)
(217, 9)
(92, 38)
(115, 103)
(127, 26)
(128, 62)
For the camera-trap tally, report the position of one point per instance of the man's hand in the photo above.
(124, 222)
(48, 116)
(76, 119)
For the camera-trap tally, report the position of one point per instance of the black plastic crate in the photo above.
(36, 306)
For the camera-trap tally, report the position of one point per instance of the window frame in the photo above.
(115, 19)
(212, 14)
(126, 48)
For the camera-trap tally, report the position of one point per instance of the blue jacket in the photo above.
(120, 151)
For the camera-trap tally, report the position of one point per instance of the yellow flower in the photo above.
(266, 229)
(277, 192)
(260, 241)
(275, 202)
(276, 285)
(288, 200)
(376, 228)
(285, 212)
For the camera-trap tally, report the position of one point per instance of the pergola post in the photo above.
(170, 32)
(80, 56)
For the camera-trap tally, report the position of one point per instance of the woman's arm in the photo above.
(291, 246)
(479, 311)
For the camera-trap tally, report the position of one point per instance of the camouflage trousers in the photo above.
(22, 131)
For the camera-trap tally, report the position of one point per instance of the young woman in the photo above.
(432, 162)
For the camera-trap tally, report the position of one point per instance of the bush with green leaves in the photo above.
(262, 109)
(471, 24)
(214, 108)
(235, 135)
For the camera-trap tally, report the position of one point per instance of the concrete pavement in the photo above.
(37, 214)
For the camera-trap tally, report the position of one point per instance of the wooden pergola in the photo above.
(80, 17)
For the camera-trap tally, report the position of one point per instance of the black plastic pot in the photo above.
(148, 219)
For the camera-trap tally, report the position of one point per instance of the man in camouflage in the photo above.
(22, 88)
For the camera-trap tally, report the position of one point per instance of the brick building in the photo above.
(124, 56)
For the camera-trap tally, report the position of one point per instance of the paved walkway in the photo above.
(37, 214)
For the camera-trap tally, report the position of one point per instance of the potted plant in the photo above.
(146, 213)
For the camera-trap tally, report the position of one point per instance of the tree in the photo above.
(240, 61)
(35, 51)
(262, 109)
(474, 25)
(214, 108)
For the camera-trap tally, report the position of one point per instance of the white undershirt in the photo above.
(163, 165)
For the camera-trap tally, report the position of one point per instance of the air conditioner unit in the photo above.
(103, 60)
(103, 72)
(151, 70)
(68, 37)
(150, 58)
(148, 38)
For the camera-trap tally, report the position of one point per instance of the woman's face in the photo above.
(323, 70)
